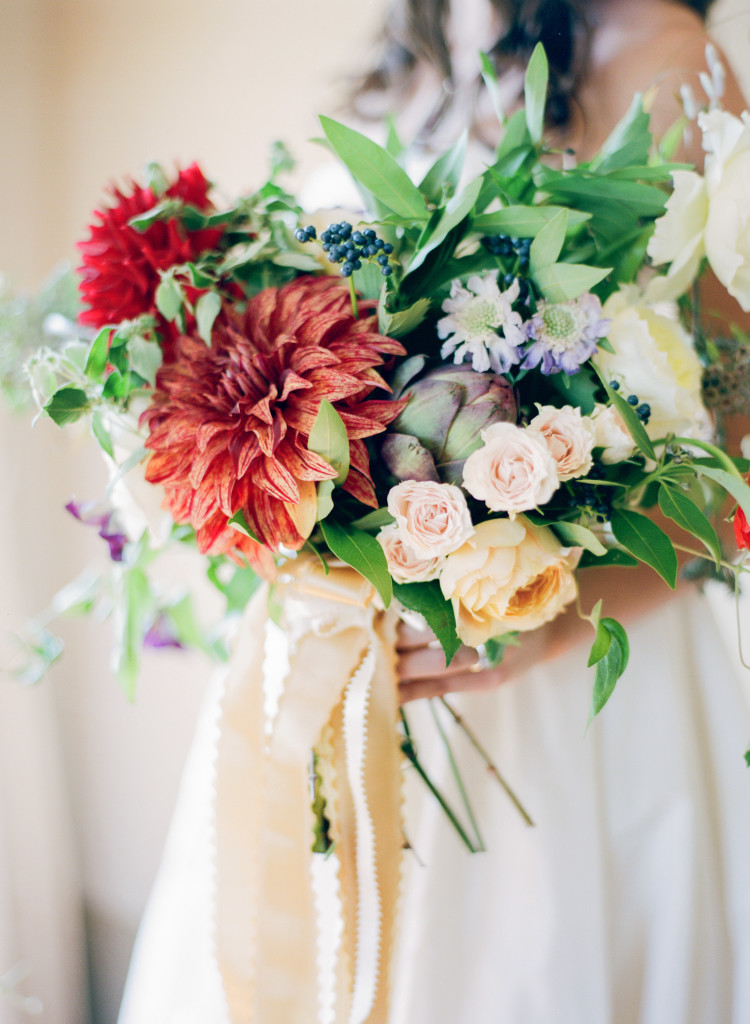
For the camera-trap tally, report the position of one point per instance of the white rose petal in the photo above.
(611, 434)
(403, 565)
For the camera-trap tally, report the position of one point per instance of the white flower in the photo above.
(403, 565)
(513, 471)
(476, 314)
(654, 359)
(433, 519)
(569, 437)
(709, 215)
(611, 434)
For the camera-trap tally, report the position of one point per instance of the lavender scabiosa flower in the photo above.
(564, 335)
(482, 325)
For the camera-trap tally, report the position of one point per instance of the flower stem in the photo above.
(734, 567)
(353, 296)
(491, 766)
(457, 776)
(407, 746)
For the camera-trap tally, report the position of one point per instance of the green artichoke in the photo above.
(442, 423)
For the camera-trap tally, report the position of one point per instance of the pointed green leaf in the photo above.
(563, 281)
(611, 665)
(325, 499)
(328, 438)
(525, 221)
(396, 325)
(613, 557)
(376, 171)
(457, 209)
(67, 405)
(445, 173)
(145, 357)
(676, 505)
(102, 434)
(535, 92)
(489, 77)
(427, 599)
(647, 541)
(548, 243)
(374, 520)
(736, 487)
(575, 535)
(207, 308)
(169, 299)
(628, 414)
(97, 358)
(602, 643)
(240, 524)
(362, 552)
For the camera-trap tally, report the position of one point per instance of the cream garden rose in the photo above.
(403, 565)
(432, 518)
(654, 359)
(569, 436)
(611, 434)
(508, 576)
(709, 214)
(513, 471)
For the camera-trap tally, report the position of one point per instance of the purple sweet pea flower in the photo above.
(86, 512)
(161, 634)
(564, 335)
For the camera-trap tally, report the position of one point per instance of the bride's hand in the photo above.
(422, 671)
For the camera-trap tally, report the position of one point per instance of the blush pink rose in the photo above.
(569, 437)
(513, 471)
(403, 565)
(432, 518)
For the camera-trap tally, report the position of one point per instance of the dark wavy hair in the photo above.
(415, 32)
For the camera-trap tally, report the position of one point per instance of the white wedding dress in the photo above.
(628, 901)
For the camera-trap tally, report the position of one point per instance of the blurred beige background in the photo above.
(91, 90)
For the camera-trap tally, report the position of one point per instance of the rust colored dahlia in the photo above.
(120, 266)
(229, 425)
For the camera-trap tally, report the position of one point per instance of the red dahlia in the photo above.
(120, 268)
(229, 425)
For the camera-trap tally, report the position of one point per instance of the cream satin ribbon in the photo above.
(339, 694)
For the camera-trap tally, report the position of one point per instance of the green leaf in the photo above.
(563, 281)
(647, 541)
(489, 76)
(362, 552)
(427, 599)
(396, 325)
(328, 438)
(444, 175)
(629, 142)
(457, 209)
(376, 171)
(575, 535)
(676, 505)
(102, 434)
(525, 221)
(613, 557)
(207, 308)
(610, 665)
(239, 523)
(325, 499)
(135, 609)
(67, 405)
(145, 357)
(169, 299)
(374, 520)
(146, 219)
(97, 358)
(602, 643)
(535, 92)
(548, 243)
(515, 136)
(736, 487)
(628, 414)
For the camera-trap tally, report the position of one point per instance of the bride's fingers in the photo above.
(410, 637)
(440, 685)
(429, 662)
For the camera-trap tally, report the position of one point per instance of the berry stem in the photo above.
(353, 295)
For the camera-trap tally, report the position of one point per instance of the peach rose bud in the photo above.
(433, 519)
(513, 471)
(403, 565)
(569, 437)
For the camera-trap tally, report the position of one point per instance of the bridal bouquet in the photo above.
(453, 401)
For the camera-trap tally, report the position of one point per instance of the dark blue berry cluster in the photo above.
(505, 245)
(350, 248)
(586, 495)
(642, 409)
